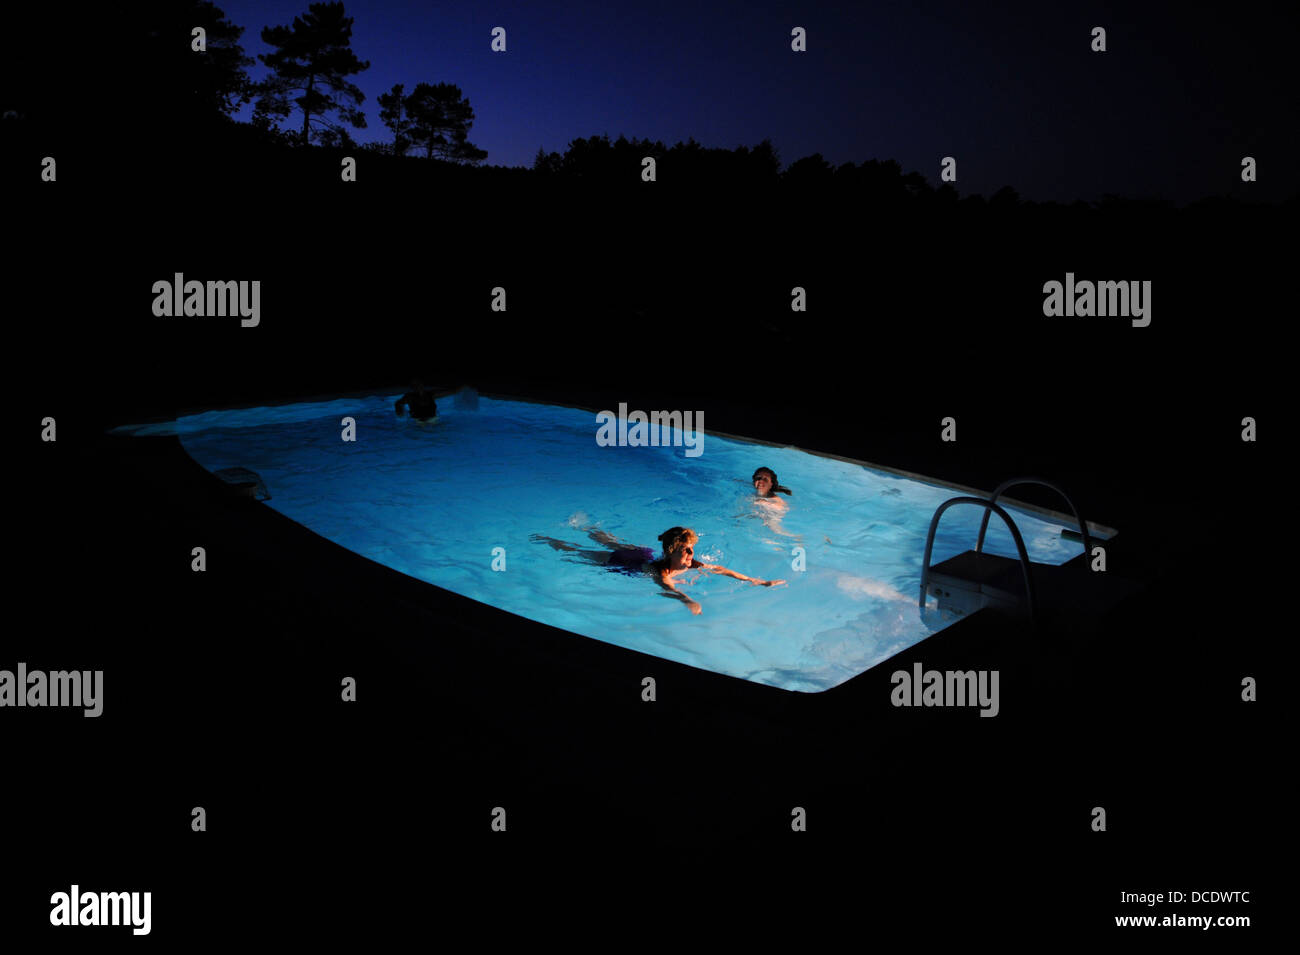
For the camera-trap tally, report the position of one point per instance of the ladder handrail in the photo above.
(1083, 526)
(1011, 525)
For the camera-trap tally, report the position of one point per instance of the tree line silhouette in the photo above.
(308, 100)
(310, 66)
(312, 61)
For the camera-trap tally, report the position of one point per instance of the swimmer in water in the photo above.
(770, 507)
(419, 401)
(766, 487)
(678, 556)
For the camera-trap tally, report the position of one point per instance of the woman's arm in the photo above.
(719, 569)
(674, 592)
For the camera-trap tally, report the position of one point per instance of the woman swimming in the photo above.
(766, 487)
(770, 508)
(678, 556)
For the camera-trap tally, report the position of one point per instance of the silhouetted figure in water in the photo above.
(421, 402)
(678, 556)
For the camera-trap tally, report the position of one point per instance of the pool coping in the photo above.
(1100, 531)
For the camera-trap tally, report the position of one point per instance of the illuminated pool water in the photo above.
(447, 502)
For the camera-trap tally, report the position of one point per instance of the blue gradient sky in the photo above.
(1013, 92)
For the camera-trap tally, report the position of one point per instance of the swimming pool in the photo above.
(462, 502)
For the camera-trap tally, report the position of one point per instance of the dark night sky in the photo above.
(1012, 91)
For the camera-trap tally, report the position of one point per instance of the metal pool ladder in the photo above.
(973, 580)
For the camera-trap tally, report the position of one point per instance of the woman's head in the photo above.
(765, 483)
(679, 546)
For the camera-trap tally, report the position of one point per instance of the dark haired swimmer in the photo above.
(770, 507)
(678, 556)
(421, 402)
(766, 485)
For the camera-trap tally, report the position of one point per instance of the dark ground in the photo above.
(325, 818)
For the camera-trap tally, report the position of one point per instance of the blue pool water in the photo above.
(445, 502)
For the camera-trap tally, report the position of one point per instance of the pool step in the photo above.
(973, 581)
